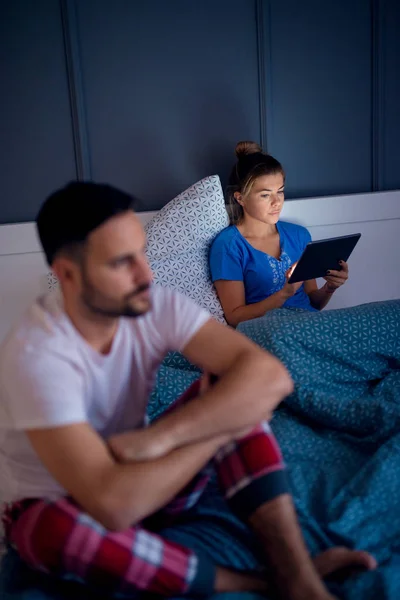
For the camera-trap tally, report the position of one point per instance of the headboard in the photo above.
(374, 265)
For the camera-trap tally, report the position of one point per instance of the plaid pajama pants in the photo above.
(58, 538)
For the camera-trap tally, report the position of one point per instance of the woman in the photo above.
(252, 259)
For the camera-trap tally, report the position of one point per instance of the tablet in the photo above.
(322, 255)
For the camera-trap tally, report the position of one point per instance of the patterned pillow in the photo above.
(178, 240)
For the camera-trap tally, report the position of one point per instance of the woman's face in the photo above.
(265, 199)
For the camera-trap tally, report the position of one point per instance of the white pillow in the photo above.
(178, 241)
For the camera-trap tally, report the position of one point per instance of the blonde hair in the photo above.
(251, 164)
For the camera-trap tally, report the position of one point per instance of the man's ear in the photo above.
(238, 198)
(65, 269)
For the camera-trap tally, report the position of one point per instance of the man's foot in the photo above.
(335, 561)
(326, 564)
(342, 559)
(234, 581)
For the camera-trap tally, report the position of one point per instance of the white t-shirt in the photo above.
(50, 376)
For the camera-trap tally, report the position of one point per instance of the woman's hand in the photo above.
(289, 289)
(335, 279)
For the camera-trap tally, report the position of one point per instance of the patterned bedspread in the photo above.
(340, 435)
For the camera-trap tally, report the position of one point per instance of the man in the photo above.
(82, 474)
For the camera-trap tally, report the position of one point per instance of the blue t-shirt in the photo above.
(232, 258)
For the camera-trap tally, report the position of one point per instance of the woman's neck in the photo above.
(253, 228)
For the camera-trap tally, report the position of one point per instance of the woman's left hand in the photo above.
(335, 279)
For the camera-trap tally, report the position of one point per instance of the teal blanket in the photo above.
(340, 435)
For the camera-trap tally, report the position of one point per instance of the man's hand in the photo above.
(147, 444)
(142, 444)
(251, 383)
(204, 387)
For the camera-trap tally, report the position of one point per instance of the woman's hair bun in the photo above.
(244, 148)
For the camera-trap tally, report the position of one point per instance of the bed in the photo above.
(340, 429)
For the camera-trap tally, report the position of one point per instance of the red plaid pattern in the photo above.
(253, 456)
(57, 537)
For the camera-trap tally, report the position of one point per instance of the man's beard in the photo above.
(98, 303)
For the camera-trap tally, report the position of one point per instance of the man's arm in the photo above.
(117, 496)
(251, 384)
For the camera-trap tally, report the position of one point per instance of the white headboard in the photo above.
(374, 265)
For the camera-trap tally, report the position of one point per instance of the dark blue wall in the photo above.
(151, 96)
(36, 144)
(319, 94)
(169, 87)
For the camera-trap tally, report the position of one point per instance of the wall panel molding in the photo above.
(262, 82)
(386, 74)
(76, 89)
(377, 100)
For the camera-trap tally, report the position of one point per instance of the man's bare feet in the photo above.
(327, 563)
(333, 561)
(336, 559)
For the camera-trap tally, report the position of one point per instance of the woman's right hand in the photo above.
(289, 289)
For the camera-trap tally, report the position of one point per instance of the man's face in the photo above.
(115, 275)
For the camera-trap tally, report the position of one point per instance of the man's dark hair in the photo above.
(71, 213)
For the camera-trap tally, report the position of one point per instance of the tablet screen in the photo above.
(323, 255)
